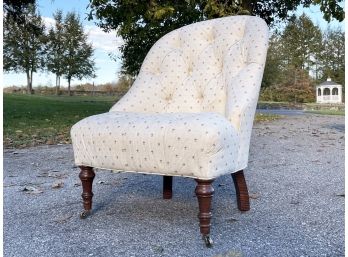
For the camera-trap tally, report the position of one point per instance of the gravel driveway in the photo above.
(296, 184)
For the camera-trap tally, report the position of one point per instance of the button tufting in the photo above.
(221, 66)
(192, 83)
(168, 98)
(197, 64)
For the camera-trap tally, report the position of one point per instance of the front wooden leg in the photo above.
(204, 192)
(86, 176)
(241, 191)
(167, 187)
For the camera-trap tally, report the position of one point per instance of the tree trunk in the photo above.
(31, 82)
(28, 82)
(57, 84)
(69, 92)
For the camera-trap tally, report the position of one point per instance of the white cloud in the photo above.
(107, 42)
(49, 22)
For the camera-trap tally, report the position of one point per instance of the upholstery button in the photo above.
(168, 98)
(221, 66)
(211, 36)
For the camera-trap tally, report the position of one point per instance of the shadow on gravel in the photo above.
(338, 127)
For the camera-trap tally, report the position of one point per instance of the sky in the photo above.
(105, 43)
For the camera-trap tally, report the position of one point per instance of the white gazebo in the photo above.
(329, 92)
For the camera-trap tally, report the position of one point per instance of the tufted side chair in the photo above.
(189, 112)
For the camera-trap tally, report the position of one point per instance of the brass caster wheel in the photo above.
(208, 241)
(84, 214)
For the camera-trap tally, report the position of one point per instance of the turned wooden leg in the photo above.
(241, 191)
(167, 187)
(86, 176)
(204, 192)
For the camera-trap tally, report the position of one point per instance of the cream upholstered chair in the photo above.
(189, 112)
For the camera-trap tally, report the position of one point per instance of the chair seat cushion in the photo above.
(199, 145)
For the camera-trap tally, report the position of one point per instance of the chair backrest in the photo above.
(210, 66)
(200, 67)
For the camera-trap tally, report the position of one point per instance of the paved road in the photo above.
(281, 112)
(295, 178)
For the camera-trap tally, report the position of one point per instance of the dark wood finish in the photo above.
(204, 192)
(86, 176)
(167, 187)
(241, 191)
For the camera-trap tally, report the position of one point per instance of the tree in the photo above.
(141, 23)
(333, 56)
(16, 8)
(124, 83)
(77, 58)
(24, 44)
(297, 46)
(296, 86)
(293, 61)
(271, 10)
(301, 43)
(274, 66)
(55, 48)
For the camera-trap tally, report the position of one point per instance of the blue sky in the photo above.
(104, 43)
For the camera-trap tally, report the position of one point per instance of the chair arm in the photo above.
(241, 106)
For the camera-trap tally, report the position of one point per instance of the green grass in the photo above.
(272, 102)
(32, 120)
(327, 112)
(261, 117)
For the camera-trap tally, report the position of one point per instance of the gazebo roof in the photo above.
(328, 82)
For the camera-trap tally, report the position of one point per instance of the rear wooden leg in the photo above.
(204, 192)
(241, 191)
(167, 187)
(86, 176)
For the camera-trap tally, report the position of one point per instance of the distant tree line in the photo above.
(300, 56)
(29, 47)
(110, 88)
(121, 86)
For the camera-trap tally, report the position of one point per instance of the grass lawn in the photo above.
(31, 120)
(327, 112)
(262, 117)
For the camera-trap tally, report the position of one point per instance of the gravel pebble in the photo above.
(295, 175)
